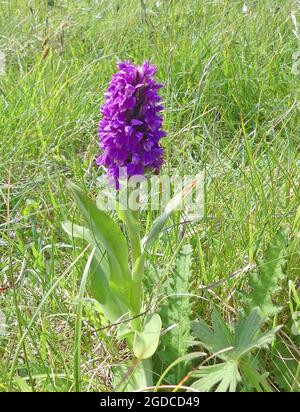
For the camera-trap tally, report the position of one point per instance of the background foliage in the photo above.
(232, 110)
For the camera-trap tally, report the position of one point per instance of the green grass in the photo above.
(232, 110)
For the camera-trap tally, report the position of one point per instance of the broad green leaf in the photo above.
(146, 341)
(108, 235)
(130, 220)
(81, 232)
(112, 307)
(132, 377)
(124, 331)
(136, 285)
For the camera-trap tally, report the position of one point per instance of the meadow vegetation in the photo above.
(231, 110)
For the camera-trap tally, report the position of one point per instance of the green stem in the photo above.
(138, 271)
(131, 219)
(138, 263)
(134, 237)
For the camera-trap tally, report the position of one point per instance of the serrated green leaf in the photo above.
(175, 313)
(245, 337)
(245, 329)
(248, 335)
(226, 375)
(222, 333)
(203, 332)
(265, 283)
(216, 339)
(254, 379)
(231, 377)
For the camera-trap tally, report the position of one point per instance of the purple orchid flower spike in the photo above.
(131, 126)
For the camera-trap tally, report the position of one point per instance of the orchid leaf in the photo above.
(106, 234)
(112, 307)
(146, 341)
(130, 377)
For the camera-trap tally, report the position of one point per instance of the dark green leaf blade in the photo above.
(106, 234)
